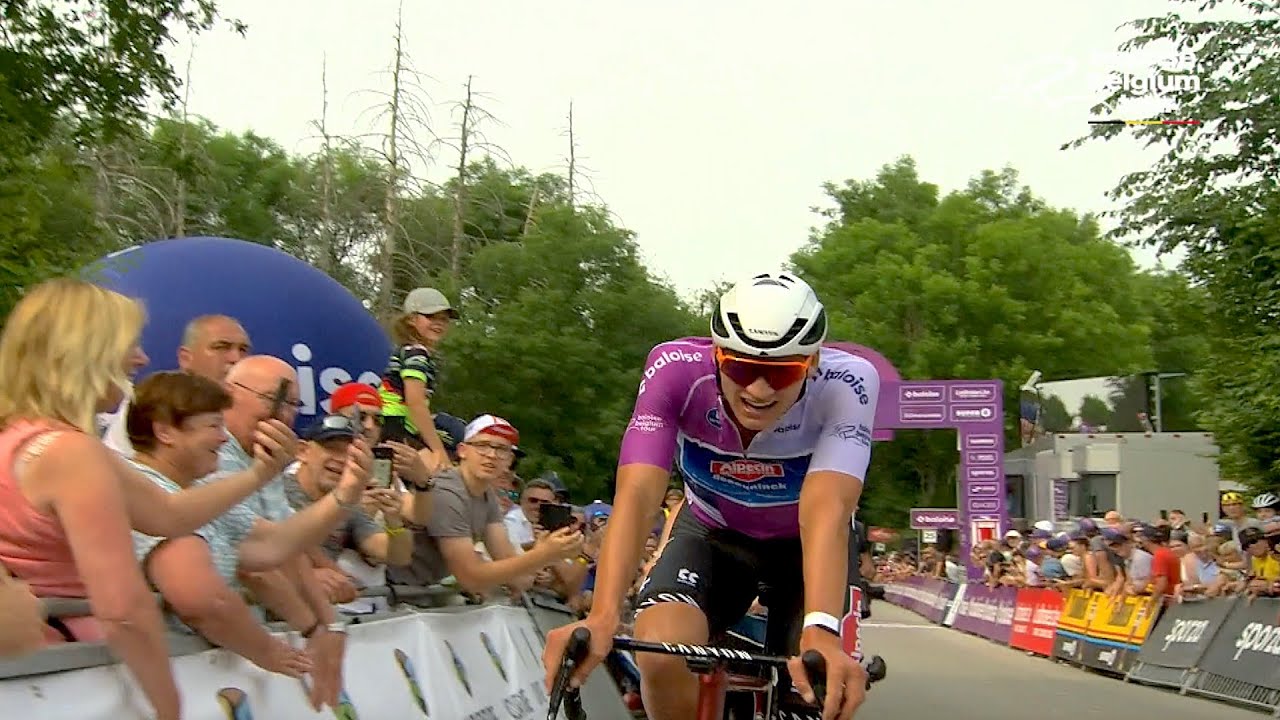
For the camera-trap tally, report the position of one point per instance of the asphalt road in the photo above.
(937, 672)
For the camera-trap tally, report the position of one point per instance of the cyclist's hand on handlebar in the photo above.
(601, 643)
(846, 680)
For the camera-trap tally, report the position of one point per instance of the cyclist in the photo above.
(771, 433)
(1265, 507)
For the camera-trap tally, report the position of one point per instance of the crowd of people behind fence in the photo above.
(1170, 558)
(193, 486)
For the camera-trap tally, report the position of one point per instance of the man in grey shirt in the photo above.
(465, 511)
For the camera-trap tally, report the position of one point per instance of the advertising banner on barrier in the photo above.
(483, 663)
(1184, 632)
(987, 611)
(943, 592)
(1248, 645)
(1073, 624)
(1035, 620)
(954, 606)
(1116, 631)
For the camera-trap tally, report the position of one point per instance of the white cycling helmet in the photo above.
(770, 315)
(1265, 500)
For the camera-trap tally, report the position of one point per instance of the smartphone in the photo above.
(1204, 518)
(382, 474)
(1164, 514)
(277, 401)
(553, 516)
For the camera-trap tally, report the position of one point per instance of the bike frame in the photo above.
(712, 667)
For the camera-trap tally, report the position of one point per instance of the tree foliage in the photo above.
(986, 282)
(1215, 195)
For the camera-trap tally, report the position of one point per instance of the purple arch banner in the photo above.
(975, 410)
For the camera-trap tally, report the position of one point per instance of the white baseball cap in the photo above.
(491, 425)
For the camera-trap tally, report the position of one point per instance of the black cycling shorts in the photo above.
(721, 571)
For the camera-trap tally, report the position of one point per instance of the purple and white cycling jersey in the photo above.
(680, 416)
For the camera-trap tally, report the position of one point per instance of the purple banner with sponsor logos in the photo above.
(975, 410)
(924, 596)
(987, 612)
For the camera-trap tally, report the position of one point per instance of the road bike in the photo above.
(732, 684)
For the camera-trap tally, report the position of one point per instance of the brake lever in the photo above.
(574, 652)
(815, 667)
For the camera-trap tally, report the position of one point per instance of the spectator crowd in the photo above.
(1171, 557)
(186, 504)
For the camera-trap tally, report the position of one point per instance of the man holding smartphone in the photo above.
(465, 511)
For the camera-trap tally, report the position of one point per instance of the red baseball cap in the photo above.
(492, 425)
(354, 394)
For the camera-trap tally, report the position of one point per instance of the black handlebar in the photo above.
(579, 645)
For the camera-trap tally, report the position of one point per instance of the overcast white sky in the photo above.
(709, 127)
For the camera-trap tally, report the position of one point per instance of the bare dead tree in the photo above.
(325, 255)
(529, 212)
(460, 186)
(469, 142)
(573, 160)
(180, 189)
(405, 149)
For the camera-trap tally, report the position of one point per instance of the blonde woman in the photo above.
(67, 503)
(409, 382)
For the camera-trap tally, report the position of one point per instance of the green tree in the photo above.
(987, 282)
(553, 335)
(1214, 195)
(74, 73)
(1054, 416)
(1094, 411)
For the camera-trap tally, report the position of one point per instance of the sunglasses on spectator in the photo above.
(779, 374)
(512, 495)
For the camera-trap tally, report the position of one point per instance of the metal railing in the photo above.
(80, 655)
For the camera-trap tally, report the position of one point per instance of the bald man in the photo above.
(253, 383)
(292, 590)
(211, 345)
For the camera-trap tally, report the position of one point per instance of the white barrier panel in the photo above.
(476, 664)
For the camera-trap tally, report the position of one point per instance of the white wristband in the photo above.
(823, 620)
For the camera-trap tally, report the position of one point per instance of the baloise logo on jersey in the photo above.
(667, 357)
(856, 382)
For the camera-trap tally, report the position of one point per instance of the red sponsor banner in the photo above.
(1035, 620)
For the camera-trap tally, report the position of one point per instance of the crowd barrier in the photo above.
(1222, 648)
(460, 662)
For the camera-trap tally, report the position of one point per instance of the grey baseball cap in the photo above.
(427, 301)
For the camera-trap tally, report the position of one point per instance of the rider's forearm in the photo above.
(824, 536)
(632, 520)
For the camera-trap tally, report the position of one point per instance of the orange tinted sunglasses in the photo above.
(779, 374)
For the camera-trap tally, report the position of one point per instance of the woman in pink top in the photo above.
(67, 503)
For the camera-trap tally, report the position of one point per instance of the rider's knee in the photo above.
(672, 622)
